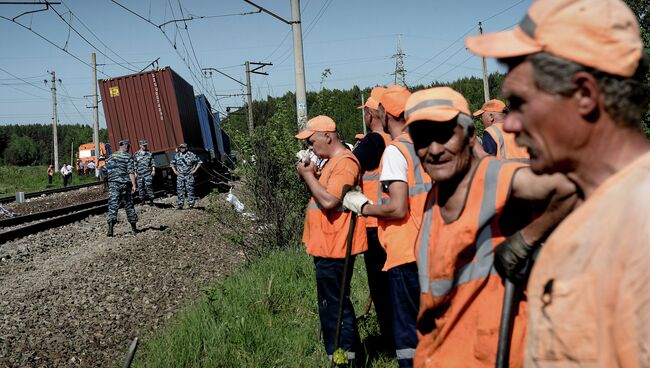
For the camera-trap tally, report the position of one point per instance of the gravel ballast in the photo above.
(71, 296)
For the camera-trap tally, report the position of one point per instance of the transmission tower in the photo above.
(400, 72)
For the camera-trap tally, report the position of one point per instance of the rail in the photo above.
(7, 199)
(53, 218)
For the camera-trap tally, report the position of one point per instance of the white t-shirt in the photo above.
(394, 165)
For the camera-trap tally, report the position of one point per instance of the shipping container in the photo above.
(158, 106)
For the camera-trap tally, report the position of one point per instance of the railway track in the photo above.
(7, 199)
(20, 226)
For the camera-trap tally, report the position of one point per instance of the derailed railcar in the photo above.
(158, 106)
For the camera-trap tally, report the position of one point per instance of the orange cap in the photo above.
(394, 99)
(435, 104)
(602, 34)
(320, 123)
(373, 101)
(491, 106)
(359, 136)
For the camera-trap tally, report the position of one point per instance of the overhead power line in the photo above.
(51, 43)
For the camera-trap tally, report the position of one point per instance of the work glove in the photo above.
(354, 201)
(512, 258)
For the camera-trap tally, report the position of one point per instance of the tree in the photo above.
(21, 151)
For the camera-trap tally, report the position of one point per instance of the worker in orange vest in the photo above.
(326, 230)
(496, 141)
(399, 212)
(466, 216)
(369, 152)
(576, 88)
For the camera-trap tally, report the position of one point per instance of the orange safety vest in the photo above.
(507, 147)
(461, 295)
(397, 236)
(326, 231)
(370, 183)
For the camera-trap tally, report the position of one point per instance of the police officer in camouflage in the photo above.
(144, 172)
(185, 164)
(120, 170)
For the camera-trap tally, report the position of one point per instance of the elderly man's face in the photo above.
(443, 148)
(541, 121)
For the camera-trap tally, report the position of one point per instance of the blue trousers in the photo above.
(329, 272)
(405, 294)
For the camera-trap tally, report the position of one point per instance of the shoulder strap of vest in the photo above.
(331, 164)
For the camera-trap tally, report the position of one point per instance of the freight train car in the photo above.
(160, 106)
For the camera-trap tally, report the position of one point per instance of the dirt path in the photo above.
(73, 297)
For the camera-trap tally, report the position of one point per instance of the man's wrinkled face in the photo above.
(443, 148)
(539, 119)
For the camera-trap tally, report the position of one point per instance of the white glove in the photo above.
(354, 201)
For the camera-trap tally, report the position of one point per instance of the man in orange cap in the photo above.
(326, 230)
(576, 92)
(496, 141)
(399, 210)
(369, 152)
(467, 214)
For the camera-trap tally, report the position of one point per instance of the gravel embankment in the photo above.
(73, 297)
(56, 200)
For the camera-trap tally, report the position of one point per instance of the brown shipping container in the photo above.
(157, 106)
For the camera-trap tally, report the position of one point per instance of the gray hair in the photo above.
(626, 99)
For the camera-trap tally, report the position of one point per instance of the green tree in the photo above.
(22, 151)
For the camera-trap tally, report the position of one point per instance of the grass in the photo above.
(33, 178)
(263, 316)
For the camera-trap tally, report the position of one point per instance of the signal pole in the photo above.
(486, 86)
(95, 112)
(55, 119)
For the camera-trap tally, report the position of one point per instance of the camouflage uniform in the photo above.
(143, 167)
(118, 167)
(185, 164)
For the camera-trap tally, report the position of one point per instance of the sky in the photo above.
(354, 39)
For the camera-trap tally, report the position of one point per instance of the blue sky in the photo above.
(354, 39)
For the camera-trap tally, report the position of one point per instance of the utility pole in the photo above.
(400, 72)
(486, 86)
(96, 112)
(363, 114)
(54, 121)
(250, 98)
(299, 66)
(250, 88)
(72, 153)
(298, 59)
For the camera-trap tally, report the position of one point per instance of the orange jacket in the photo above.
(507, 147)
(326, 231)
(397, 236)
(371, 187)
(461, 294)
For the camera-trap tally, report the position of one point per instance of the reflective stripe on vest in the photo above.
(502, 148)
(483, 265)
(420, 186)
(370, 182)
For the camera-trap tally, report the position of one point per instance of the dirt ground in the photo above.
(73, 297)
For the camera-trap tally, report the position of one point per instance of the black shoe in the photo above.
(110, 229)
(134, 228)
(150, 202)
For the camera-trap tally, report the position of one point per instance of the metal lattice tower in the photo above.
(400, 72)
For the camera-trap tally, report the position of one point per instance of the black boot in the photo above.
(151, 202)
(110, 229)
(134, 228)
